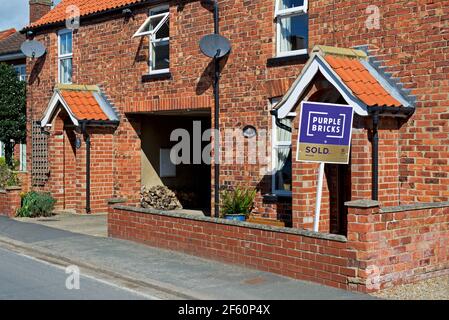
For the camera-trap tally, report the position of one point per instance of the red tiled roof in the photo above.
(86, 7)
(361, 81)
(84, 105)
(6, 33)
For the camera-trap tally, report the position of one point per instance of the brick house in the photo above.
(104, 100)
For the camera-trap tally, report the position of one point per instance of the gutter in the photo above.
(12, 56)
(88, 145)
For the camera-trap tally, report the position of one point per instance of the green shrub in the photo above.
(238, 201)
(36, 204)
(8, 178)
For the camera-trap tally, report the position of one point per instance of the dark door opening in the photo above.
(191, 180)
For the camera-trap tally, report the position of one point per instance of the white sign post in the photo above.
(319, 193)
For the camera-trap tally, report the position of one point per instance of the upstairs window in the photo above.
(21, 71)
(292, 27)
(157, 28)
(65, 56)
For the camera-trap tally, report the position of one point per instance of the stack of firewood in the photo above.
(159, 198)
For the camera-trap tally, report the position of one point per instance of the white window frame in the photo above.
(2, 153)
(66, 56)
(275, 145)
(23, 159)
(18, 69)
(151, 34)
(279, 14)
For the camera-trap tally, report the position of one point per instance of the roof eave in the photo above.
(89, 16)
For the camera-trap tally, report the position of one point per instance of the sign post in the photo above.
(325, 132)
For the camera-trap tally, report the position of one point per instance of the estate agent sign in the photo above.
(324, 133)
(324, 136)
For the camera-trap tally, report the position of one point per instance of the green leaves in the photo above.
(12, 109)
(36, 204)
(8, 178)
(238, 201)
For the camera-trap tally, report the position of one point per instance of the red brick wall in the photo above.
(382, 249)
(400, 246)
(10, 201)
(302, 257)
(410, 42)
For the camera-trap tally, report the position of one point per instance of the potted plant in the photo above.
(238, 204)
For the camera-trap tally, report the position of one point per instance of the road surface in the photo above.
(23, 277)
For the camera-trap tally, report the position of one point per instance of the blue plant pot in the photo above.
(235, 217)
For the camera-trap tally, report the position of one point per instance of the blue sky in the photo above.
(14, 13)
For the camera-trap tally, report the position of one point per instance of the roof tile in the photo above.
(83, 104)
(6, 33)
(361, 81)
(86, 7)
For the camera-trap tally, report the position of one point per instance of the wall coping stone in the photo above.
(415, 206)
(117, 200)
(13, 188)
(175, 214)
(362, 204)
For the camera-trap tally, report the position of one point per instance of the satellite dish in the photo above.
(33, 49)
(215, 46)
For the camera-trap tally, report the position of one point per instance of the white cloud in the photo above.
(14, 13)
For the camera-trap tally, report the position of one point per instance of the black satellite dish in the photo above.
(33, 49)
(215, 46)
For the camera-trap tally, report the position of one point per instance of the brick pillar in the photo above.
(10, 201)
(127, 160)
(361, 164)
(363, 215)
(56, 162)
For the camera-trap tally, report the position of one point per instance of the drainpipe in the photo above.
(216, 114)
(278, 121)
(87, 137)
(375, 165)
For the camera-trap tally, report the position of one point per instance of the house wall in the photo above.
(410, 41)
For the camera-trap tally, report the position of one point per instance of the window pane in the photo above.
(283, 135)
(283, 168)
(160, 55)
(65, 45)
(23, 157)
(288, 4)
(65, 71)
(21, 72)
(294, 32)
(163, 32)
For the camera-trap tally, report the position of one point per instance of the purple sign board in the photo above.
(325, 132)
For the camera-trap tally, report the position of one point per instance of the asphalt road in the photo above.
(22, 277)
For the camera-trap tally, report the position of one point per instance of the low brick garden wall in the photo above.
(383, 247)
(10, 201)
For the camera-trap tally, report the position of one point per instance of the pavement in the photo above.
(163, 274)
(91, 224)
(23, 277)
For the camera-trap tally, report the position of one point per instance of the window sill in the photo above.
(273, 197)
(278, 61)
(156, 76)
